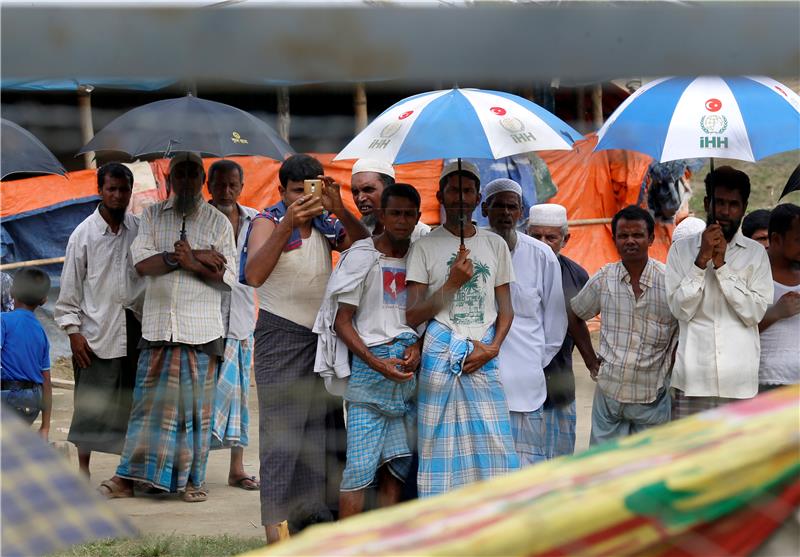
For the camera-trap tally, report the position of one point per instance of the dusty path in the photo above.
(228, 510)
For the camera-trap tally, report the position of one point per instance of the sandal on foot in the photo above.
(194, 494)
(248, 483)
(112, 490)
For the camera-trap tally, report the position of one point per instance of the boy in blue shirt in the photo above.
(25, 351)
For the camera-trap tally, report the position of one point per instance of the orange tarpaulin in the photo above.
(591, 185)
(595, 185)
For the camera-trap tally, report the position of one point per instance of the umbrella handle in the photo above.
(712, 213)
(461, 203)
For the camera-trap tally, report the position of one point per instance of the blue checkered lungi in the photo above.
(169, 431)
(231, 417)
(542, 434)
(464, 426)
(381, 417)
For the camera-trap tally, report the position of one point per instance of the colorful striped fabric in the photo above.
(632, 496)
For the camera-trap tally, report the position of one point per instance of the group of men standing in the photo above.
(452, 347)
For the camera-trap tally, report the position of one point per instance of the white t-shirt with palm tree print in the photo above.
(473, 310)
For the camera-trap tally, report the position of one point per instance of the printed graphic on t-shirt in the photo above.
(394, 287)
(468, 305)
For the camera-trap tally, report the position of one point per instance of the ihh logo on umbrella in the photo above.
(236, 138)
(713, 124)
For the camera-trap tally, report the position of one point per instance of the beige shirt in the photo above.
(98, 282)
(473, 309)
(296, 286)
(179, 306)
(718, 311)
(637, 337)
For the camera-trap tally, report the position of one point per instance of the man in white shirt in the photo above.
(98, 288)
(231, 418)
(718, 287)
(368, 181)
(780, 328)
(461, 290)
(540, 320)
(185, 249)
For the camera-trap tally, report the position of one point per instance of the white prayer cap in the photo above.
(372, 165)
(501, 185)
(688, 227)
(547, 214)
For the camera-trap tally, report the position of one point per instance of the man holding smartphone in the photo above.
(289, 261)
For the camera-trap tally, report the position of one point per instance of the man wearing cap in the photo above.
(462, 292)
(289, 261)
(369, 179)
(185, 249)
(540, 320)
(547, 222)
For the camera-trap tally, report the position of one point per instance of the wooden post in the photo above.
(284, 119)
(360, 107)
(87, 127)
(580, 108)
(597, 106)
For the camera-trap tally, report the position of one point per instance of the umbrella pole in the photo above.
(712, 213)
(462, 216)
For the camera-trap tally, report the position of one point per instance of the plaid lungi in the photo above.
(231, 417)
(684, 406)
(464, 425)
(543, 434)
(381, 415)
(292, 404)
(169, 431)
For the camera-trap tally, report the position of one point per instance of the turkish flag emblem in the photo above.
(405, 115)
(713, 105)
(500, 111)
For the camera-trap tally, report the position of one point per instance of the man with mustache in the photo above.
(540, 321)
(185, 249)
(231, 416)
(637, 333)
(369, 179)
(462, 292)
(719, 285)
(95, 308)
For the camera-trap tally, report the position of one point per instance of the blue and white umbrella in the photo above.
(743, 118)
(460, 123)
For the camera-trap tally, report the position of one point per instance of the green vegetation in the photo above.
(166, 546)
(767, 179)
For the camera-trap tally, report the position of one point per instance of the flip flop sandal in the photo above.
(112, 490)
(248, 483)
(194, 494)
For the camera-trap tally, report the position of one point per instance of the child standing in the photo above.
(25, 351)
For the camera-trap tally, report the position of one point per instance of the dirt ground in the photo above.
(236, 513)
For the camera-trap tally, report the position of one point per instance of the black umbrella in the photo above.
(22, 152)
(793, 184)
(189, 124)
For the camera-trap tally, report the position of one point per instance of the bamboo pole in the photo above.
(360, 107)
(31, 263)
(284, 118)
(589, 222)
(597, 105)
(87, 127)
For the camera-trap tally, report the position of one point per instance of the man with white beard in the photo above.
(185, 249)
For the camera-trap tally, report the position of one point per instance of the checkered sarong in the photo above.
(684, 406)
(464, 425)
(169, 431)
(381, 416)
(559, 428)
(543, 434)
(231, 417)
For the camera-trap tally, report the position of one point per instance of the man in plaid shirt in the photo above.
(638, 333)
